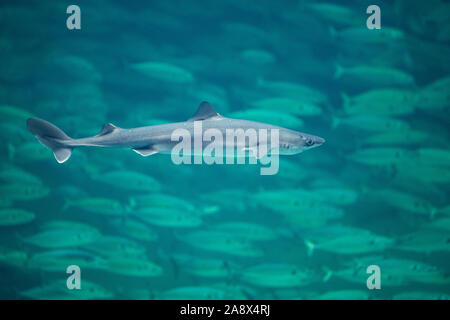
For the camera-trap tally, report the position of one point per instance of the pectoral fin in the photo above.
(146, 151)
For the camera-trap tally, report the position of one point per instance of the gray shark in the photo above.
(157, 139)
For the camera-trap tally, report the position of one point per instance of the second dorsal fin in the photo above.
(107, 129)
(205, 111)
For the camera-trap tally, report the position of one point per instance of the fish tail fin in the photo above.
(230, 272)
(52, 137)
(364, 190)
(175, 267)
(130, 205)
(333, 32)
(123, 64)
(309, 247)
(433, 212)
(67, 204)
(335, 122)
(11, 151)
(246, 292)
(345, 101)
(259, 81)
(339, 72)
(19, 237)
(328, 274)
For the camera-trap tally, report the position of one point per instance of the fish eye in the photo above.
(309, 142)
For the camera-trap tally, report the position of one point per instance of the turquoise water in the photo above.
(374, 194)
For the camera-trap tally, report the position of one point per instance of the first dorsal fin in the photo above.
(205, 111)
(107, 129)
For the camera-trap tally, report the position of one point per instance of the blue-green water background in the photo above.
(207, 38)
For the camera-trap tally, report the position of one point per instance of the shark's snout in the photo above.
(319, 141)
(310, 141)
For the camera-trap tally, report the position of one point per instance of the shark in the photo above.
(149, 140)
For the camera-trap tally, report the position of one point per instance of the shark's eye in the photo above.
(309, 142)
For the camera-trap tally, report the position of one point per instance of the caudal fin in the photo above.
(339, 72)
(346, 101)
(52, 137)
(309, 247)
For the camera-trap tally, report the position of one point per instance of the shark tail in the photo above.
(52, 137)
